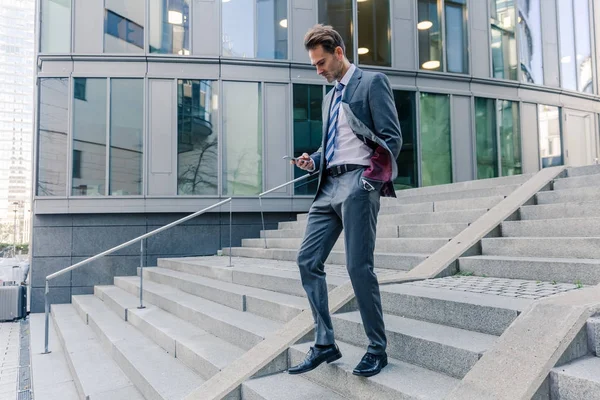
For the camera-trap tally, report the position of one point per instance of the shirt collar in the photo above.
(348, 75)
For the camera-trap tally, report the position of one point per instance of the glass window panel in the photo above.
(456, 36)
(56, 26)
(272, 31)
(486, 138)
(89, 138)
(338, 13)
(510, 138)
(568, 72)
(504, 45)
(242, 138)
(530, 43)
(52, 140)
(430, 36)
(170, 26)
(583, 45)
(373, 33)
(197, 137)
(308, 130)
(123, 26)
(126, 136)
(436, 154)
(550, 136)
(238, 28)
(407, 159)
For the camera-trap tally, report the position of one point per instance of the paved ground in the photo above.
(10, 333)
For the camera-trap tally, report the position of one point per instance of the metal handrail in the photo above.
(112, 250)
(147, 235)
(260, 196)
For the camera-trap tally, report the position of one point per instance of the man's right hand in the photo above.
(304, 162)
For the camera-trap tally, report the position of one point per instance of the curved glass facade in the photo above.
(191, 98)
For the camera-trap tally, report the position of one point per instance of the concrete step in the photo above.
(445, 349)
(548, 247)
(577, 380)
(460, 216)
(568, 195)
(564, 227)
(240, 328)
(383, 245)
(586, 209)
(397, 261)
(274, 275)
(577, 182)
(462, 186)
(155, 373)
(500, 190)
(270, 304)
(585, 170)
(565, 270)
(286, 386)
(480, 312)
(593, 333)
(388, 231)
(399, 380)
(87, 360)
(204, 353)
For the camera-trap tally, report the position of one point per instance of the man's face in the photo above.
(328, 65)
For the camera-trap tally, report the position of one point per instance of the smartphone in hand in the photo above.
(290, 158)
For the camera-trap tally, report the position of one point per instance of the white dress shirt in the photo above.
(349, 149)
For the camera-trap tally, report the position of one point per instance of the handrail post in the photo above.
(141, 274)
(46, 327)
(262, 217)
(230, 232)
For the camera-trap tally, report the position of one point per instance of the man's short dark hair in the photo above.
(323, 35)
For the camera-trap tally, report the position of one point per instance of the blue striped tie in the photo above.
(332, 132)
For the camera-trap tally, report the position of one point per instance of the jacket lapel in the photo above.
(325, 112)
(352, 85)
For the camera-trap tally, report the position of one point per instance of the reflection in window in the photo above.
(583, 47)
(550, 136)
(242, 138)
(238, 28)
(430, 36)
(436, 154)
(170, 27)
(55, 26)
(338, 13)
(272, 29)
(308, 129)
(266, 38)
(126, 136)
(504, 47)
(567, 49)
(373, 33)
(510, 138)
(52, 137)
(530, 43)
(407, 159)
(89, 138)
(486, 138)
(197, 137)
(456, 36)
(123, 31)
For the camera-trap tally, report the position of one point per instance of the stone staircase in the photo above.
(201, 314)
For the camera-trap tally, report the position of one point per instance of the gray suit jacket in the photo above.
(369, 106)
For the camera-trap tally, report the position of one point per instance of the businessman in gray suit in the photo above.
(356, 165)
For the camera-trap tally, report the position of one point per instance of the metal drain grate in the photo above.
(25, 363)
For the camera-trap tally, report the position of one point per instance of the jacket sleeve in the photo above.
(384, 114)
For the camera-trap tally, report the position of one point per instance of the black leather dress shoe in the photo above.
(371, 364)
(316, 357)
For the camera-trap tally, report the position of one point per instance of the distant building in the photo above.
(17, 26)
